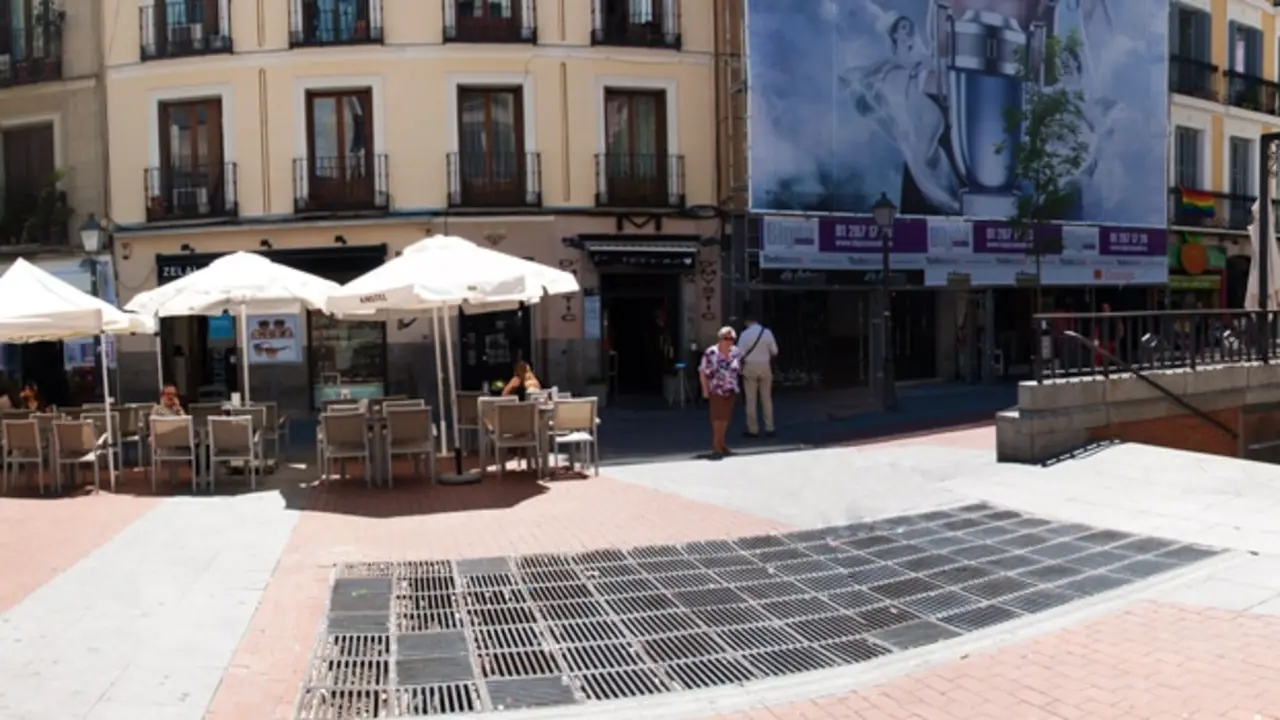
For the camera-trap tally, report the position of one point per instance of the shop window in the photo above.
(348, 359)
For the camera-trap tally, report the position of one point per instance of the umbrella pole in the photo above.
(159, 364)
(244, 353)
(106, 402)
(435, 340)
(459, 477)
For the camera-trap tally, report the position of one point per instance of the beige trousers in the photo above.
(757, 381)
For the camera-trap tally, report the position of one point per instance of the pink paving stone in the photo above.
(42, 537)
(515, 516)
(1150, 661)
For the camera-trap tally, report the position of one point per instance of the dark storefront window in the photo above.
(348, 359)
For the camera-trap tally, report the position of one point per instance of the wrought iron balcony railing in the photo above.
(1194, 77)
(1252, 93)
(1189, 207)
(342, 183)
(317, 23)
(32, 53)
(639, 180)
(490, 21)
(494, 180)
(636, 23)
(191, 192)
(181, 28)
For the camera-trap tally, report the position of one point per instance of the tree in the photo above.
(1049, 152)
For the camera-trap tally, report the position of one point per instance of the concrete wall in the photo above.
(1059, 416)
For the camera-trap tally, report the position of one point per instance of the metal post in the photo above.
(1267, 169)
(888, 392)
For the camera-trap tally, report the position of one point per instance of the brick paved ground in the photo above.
(41, 537)
(514, 516)
(1151, 661)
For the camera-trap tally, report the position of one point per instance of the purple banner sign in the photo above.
(998, 238)
(1128, 241)
(862, 235)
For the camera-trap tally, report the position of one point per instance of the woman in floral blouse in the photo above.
(718, 372)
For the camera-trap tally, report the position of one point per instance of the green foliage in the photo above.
(1050, 122)
(39, 217)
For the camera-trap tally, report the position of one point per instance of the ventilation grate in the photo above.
(433, 700)
(709, 672)
(788, 661)
(349, 673)
(979, 617)
(519, 664)
(617, 684)
(602, 656)
(328, 704)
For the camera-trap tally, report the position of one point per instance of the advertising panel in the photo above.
(853, 98)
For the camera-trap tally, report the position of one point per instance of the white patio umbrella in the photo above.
(36, 306)
(237, 284)
(1252, 293)
(440, 274)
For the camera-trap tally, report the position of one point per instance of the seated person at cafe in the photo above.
(29, 398)
(169, 405)
(522, 381)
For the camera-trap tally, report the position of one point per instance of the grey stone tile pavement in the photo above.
(144, 626)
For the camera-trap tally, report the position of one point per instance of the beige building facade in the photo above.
(53, 160)
(329, 134)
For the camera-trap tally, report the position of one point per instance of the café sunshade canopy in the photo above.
(37, 306)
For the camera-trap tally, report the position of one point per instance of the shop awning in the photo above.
(643, 254)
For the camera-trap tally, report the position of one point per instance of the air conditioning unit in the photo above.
(190, 34)
(192, 201)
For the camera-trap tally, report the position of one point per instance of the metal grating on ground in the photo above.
(437, 638)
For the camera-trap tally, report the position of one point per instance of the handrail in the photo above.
(1179, 401)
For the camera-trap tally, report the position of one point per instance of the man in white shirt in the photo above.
(759, 348)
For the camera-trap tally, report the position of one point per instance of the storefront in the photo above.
(66, 373)
(1197, 274)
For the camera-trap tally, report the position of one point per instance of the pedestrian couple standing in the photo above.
(738, 361)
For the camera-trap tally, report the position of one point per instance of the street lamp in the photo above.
(885, 213)
(92, 234)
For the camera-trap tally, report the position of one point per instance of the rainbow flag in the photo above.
(1197, 203)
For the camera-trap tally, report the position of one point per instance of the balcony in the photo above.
(636, 23)
(345, 183)
(184, 28)
(489, 21)
(628, 180)
(1196, 78)
(37, 217)
(191, 192)
(321, 23)
(1252, 93)
(32, 54)
(1227, 212)
(495, 180)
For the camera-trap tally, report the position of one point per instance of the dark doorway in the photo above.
(642, 328)
(914, 335)
(491, 344)
(43, 365)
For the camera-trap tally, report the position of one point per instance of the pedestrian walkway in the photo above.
(209, 607)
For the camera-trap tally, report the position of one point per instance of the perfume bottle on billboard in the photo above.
(984, 44)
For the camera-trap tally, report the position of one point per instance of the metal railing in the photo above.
(1231, 212)
(481, 179)
(191, 192)
(636, 23)
(341, 183)
(1123, 342)
(490, 21)
(1195, 77)
(639, 180)
(182, 28)
(32, 53)
(1252, 93)
(315, 23)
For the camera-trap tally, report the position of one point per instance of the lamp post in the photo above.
(92, 234)
(1270, 151)
(885, 213)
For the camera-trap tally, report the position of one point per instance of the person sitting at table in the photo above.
(522, 381)
(169, 405)
(29, 398)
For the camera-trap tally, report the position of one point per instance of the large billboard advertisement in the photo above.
(853, 98)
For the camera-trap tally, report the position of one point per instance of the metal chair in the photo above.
(486, 413)
(376, 404)
(233, 439)
(75, 443)
(112, 444)
(22, 446)
(331, 406)
(574, 423)
(409, 432)
(173, 439)
(274, 427)
(515, 427)
(401, 404)
(469, 419)
(346, 437)
(131, 432)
